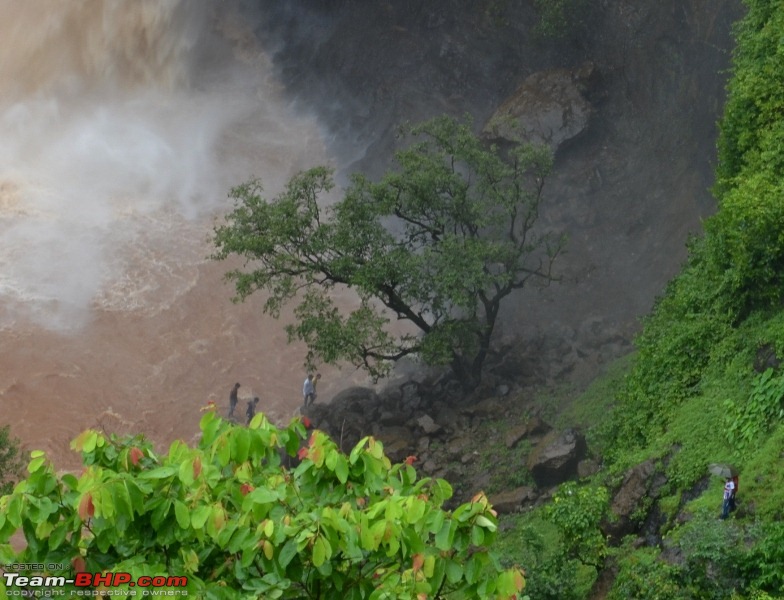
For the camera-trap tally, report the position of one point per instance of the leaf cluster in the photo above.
(235, 521)
(748, 420)
(577, 511)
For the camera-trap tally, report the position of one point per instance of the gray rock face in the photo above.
(511, 501)
(356, 395)
(557, 458)
(533, 427)
(550, 107)
(629, 498)
(428, 425)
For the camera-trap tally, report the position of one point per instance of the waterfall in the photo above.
(122, 126)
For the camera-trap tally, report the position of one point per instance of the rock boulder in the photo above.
(556, 458)
(550, 107)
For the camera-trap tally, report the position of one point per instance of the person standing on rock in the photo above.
(729, 488)
(233, 400)
(309, 389)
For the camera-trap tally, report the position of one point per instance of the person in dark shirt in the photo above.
(233, 399)
(250, 412)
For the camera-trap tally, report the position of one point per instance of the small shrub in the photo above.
(644, 576)
(11, 462)
(763, 565)
(577, 512)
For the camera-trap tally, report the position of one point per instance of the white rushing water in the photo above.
(123, 123)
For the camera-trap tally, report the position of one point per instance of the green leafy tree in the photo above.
(438, 245)
(229, 517)
(577, 511)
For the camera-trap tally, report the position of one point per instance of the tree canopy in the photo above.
(437, 243)
(228, 519)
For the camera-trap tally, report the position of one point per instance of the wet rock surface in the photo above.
(549, 108)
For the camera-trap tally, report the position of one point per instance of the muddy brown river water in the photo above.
(122, 128)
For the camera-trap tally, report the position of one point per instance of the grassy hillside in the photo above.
(705, 385)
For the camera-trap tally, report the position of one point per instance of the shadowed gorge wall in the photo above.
(628, 191)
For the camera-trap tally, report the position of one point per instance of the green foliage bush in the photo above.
(237, 524)
(714, 559)
(643, 575)
(748, 420)
(537, 546)
(762, 565)
(577, 511)
(755, 101)
(711, 549)
(11, 462)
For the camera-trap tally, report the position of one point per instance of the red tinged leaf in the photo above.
(410, 460)
(307, 423)
(246, 489)
(79, 565)
(196, 467)
(303, 453)
(417, 561)
(135, 455)
(86, 507)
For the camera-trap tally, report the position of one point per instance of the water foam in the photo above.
(124, 127)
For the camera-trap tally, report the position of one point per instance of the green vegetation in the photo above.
(559, 19)
(11, 462)
(706, 383)
(437, 245)
(704, 334)
(228, 517)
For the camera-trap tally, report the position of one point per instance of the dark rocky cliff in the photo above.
(628, 190)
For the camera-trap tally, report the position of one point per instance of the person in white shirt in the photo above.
(729, 488)
(309, 389)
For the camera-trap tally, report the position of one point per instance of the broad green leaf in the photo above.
(240, 444)
(159, 473)
(445, 537)
(261, 495)
(287, 553)
(483, 521)
(182, 514)
(186, 472)
(341, 469)
(322, 551)
(477, 536)
(416, 509)
(36, 464)
(190, 560)
(57, 536)
(200, 515)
